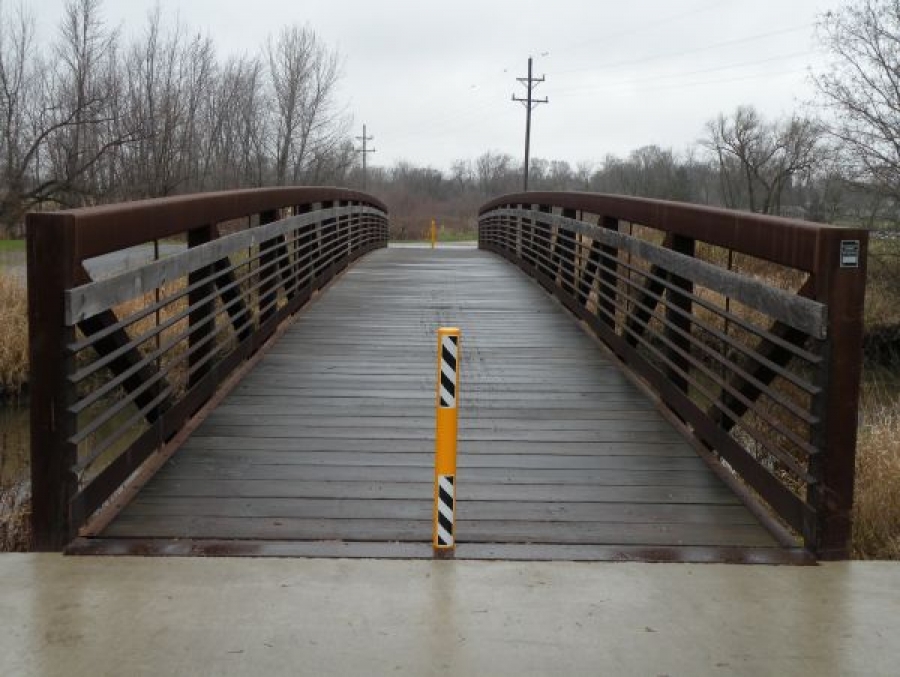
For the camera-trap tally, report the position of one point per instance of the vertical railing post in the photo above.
(839, 279)
(354, 223)
(517, 234)
(320, 257)
(565, 253)
(608, 280)
(51, 270)
(268, 272)
(342, 239)
(677, 298)
(199, 310)
(305, 243)
(543, 236)
(528, 233)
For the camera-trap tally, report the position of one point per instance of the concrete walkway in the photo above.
(180, 616)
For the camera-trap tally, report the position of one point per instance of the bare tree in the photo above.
(493, 171)
(19, 104)
(757, 160)
(82, 89)
(170, 80)
(304, 74)
(862, 89)
(59, 114)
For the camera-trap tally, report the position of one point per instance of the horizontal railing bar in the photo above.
(730, 342)
(799, 312)
(108, 414)
(731, 366)
(802, 444)
(786, 242)
(774, 452)
(99, 229)
(209, 298)
(148, 310)
(94, 297)
(721, 312)
(84, 432)
(153, 356)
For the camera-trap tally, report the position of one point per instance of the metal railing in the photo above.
(749, 329)
(121, 360)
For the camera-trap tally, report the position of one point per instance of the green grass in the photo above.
(461, 236)
(12, 245)
(449, 236)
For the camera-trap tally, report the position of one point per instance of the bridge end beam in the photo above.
(51, 270)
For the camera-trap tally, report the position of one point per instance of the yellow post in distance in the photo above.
(447, 407)
(433, 234)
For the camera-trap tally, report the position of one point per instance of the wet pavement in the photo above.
(182, 616)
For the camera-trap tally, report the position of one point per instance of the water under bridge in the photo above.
(640, 380)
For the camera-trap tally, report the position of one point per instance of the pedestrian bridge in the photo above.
(639, 380)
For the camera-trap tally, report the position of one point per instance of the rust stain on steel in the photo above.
(108, 228)
(788, 242)
(187, 547)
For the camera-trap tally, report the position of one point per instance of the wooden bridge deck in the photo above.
(326, 447)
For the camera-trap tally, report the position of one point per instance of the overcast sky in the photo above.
(433, 80)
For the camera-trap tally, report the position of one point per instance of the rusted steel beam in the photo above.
(230, 292)
(268, 287)
(58, 244)
(833, 257)
(789, 506)
(100, 231)
(646, 302)
(529, 230)
(50, 272)
(565, 253)
(758, 370)
(607, 272)
(199, 279)
(117, 340)
(839, 284)
(788, 242)
(677, 297)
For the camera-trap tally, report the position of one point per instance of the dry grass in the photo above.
(876, 510)
(13, 336)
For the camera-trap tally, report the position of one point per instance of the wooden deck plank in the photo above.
(481, 531)
(423, 491)
(415, 509)
(619, 477)
(330, 438)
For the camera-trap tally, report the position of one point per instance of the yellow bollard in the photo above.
(446, 404)
(433, 234)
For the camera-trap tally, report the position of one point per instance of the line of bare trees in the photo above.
(89, 117)
(787, 167)
(839, 162)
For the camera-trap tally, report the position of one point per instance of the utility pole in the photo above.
(365, 151)
(530, 104)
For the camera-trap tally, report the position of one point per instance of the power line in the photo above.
(530, 104)
(671, 18)
(669, 76)
(365, 152)
(694, 50)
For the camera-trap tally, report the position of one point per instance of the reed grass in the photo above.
(876, 508)
(13, 336)
(15, 514)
